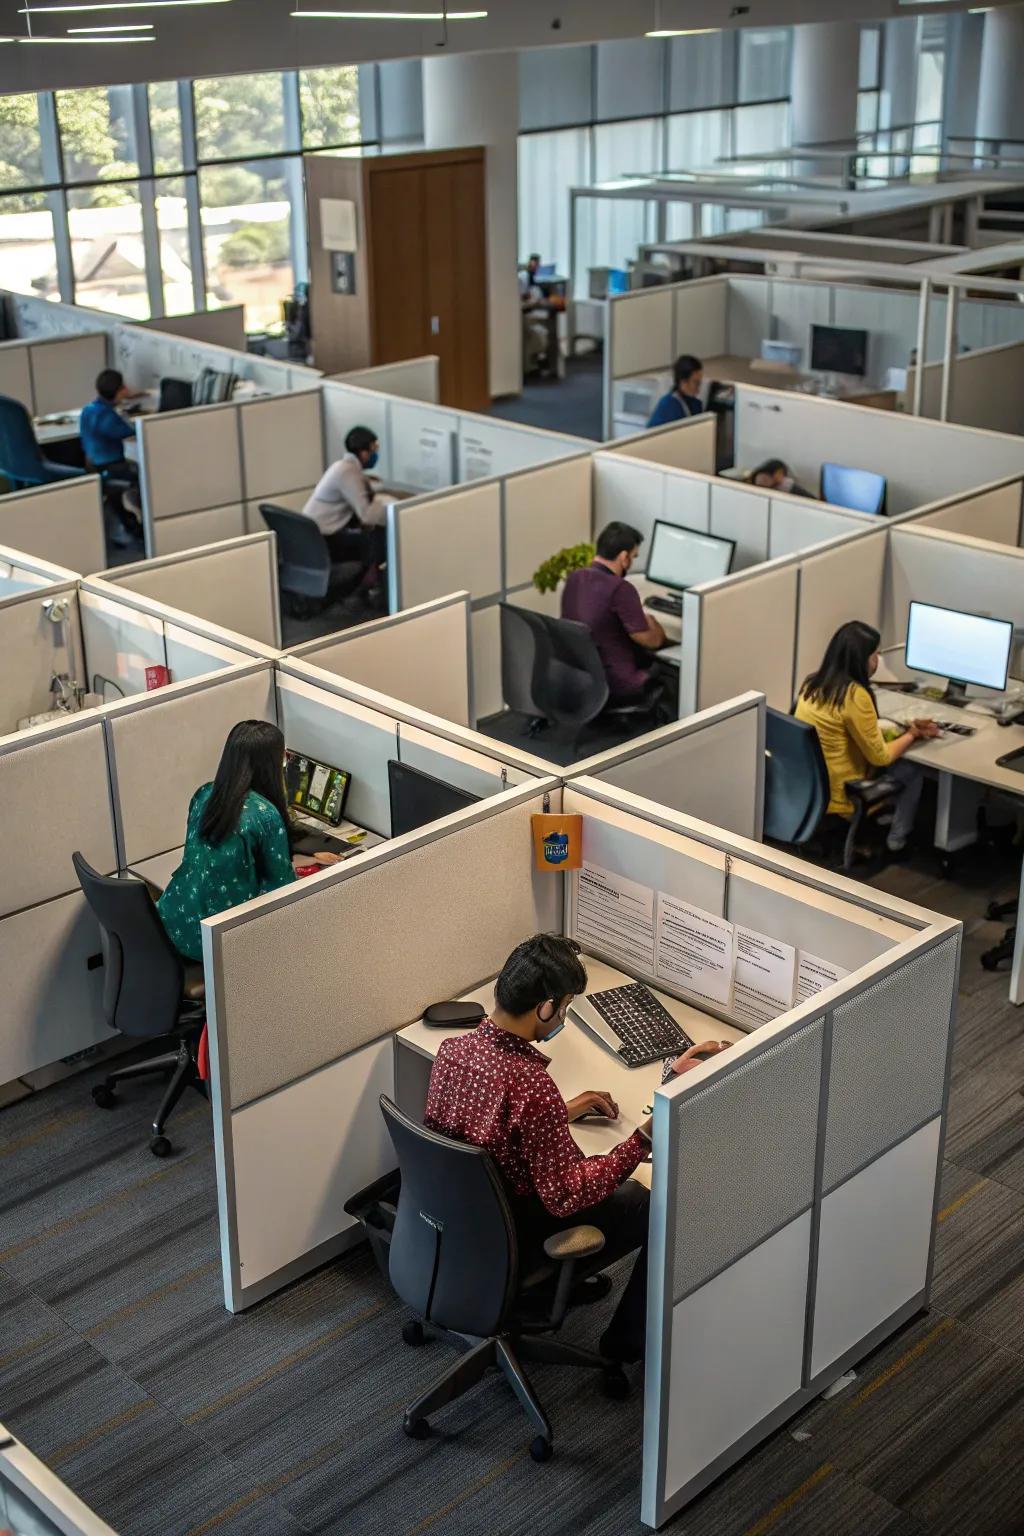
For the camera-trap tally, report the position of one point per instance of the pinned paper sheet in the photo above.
(695, 950)
(763, 978)
(616, 915)
(337, 224)
(814, 975)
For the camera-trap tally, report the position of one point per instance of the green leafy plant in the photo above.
(553, 570)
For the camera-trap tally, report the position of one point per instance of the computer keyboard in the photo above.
(669, 604)
(946, 722)
(631, 1024)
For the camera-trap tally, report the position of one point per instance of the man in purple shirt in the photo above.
(625, 634)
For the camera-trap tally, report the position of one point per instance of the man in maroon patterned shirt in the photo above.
(492, 1088)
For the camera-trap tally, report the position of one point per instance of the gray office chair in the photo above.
(525, 650)
(175, 395)
(307, 576)
(454, 1259)
(149, 991)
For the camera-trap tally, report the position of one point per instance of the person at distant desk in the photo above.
(683, 399)
(236, 837)
(625, 634)
(349, 513)
(104, 431)
(838, 701)
(540, 334)
(491, 1088)
(774, 475)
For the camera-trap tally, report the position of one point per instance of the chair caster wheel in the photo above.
(412, 1334)
(993, 912)
(615, 1384)
(417, 1429)
(104, 1096)
(160, 1146)
(540, 1449)
(989, 961)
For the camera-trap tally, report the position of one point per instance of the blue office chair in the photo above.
(21, 461)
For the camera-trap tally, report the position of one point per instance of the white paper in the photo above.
(695, 950)
(337, 224)
(615, 915)
(428, 466)
(763, 977)
(814, 975)
(477, 459)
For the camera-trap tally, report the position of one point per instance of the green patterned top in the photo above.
(214, 876)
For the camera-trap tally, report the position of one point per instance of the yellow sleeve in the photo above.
(861, 720)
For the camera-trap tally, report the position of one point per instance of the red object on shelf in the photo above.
(157, 677)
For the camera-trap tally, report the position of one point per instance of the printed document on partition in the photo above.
(695, 950)
(763, 977)
(616, 915)
(814, 975)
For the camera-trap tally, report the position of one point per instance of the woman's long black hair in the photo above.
(845, 663)
(253, 758)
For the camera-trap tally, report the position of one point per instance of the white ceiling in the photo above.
(241, 36)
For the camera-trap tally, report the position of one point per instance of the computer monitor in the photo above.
(316, 788)
(618, 280)
(859, 489)
(785, 352)
(418, 798)
(546, 271)
(834, 349)
(963, 647)
(682, 557)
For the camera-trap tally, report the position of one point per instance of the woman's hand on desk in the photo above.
(594, 1102)
(698, 1054)
(304, 860)
(923, 730)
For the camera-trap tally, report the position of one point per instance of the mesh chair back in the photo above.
(143, 972)
(796, 792)
(304, 561)
(454, 1257)
(572, 688)
(525, 653)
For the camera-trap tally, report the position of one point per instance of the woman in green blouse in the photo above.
(236, 843)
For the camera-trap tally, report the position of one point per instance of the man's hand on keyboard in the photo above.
(698, 1053)
(595, 1101)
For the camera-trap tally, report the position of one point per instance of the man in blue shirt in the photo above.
(104, 432)
(683, 399)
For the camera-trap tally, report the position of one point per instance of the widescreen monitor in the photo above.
(418, 798)
(834, 349)
(963, 647)
(682, 557)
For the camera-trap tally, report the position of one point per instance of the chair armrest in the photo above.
(574, 1243)
(871, 791)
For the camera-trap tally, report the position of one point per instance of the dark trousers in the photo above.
(623, 1218)
(367, 546)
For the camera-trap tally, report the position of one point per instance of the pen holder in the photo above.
(557, 842)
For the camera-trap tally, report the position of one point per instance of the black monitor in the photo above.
(682, 557)
(862, 490)
(418, 798)
(316, 788)
(835, 349)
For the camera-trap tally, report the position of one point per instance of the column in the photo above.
(826, 67)
(1000, 99)
(473, 99)
(899, 72)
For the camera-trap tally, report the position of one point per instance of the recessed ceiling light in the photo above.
(394, 15)
(116, 26)
(681, 31)
(111, 5)
(70, 42)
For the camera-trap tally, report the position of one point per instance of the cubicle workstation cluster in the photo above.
(827, 1224)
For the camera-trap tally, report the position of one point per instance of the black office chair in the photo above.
(307, 576)
(21, 461)
(149, 992)
(175, 395)
(525, 651)
(454, 1259)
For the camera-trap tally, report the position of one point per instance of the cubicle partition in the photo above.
(205, 471)
(53, 373)
(710, 766)
(950, 570)
(232, 584)
(813, 1241)
(61, 521)
(218, 327)
(40, 638)
(416, 378)
(991, 512)
(689, 444)
(983, 390)
(421, 656)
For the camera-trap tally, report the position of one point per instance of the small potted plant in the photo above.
(556, 568)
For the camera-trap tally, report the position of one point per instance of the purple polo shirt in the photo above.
(611, 609)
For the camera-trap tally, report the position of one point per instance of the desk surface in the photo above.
(670, 623)
(968, 757)
(729, 369)
(579, 1063)
(59, 425)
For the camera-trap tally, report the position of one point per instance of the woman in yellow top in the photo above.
(838, 701)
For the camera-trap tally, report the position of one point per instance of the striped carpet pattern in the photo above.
(121, 1369)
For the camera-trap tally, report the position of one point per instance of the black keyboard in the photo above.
(648, 1032)
(672, 604)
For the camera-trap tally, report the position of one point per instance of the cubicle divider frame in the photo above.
(55, 512)
(41, 397)
(679, 1235)
(424, 375)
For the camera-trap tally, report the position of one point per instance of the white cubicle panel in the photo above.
(324, 725)
(415, 378)
(545, 510)
(628, 492)
(741, 513)
(232, 584)
(710, 766)
(687, 444)
(121, 640)
(15, 374)
(922, 461)
(64, 371)
(950, 571)
(737, 634)
(482, 769)
(62, 521)
(796, 523)
(164, 745)
(420, 655)
(421, 446)
(297, 1123)
(346, 406)
(35, 648)
(486, 447)
(437, 543)
(754, 1276)
(991, 512)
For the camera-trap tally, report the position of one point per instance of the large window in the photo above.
(97, 133)
(21, 150)
(240, 115)
(549, 164)
(107, 249)
(28, 252)
(329, 102)
(247, 220)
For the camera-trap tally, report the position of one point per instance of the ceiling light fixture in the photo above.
(659, 30)
(111, 5)
(393, 15)
(116, 26)
(70, 42)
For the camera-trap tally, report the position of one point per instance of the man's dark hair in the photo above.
(616, 538)
(535, 256)
(108, 383)
(546, 966)
(685, 367)
(360, 440)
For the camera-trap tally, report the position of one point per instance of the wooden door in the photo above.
(399, 271)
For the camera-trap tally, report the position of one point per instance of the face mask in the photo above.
(558, 1025)
(787, 483)
(371, 461)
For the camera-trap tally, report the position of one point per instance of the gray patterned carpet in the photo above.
(121, 1369)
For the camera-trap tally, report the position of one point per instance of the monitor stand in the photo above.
(955, 694)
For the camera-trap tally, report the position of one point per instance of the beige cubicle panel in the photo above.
(700, 312)
(813, 1242)
(232, 584)
(984, 388)
(991, 512)
(282, 445)
(190, 462)
(415, 378)
(420, 655)
(62, 521)
(443, 541)
(217, 327)
(545, 510)
(64, 371)
(49, 941)
(639, 332)
(35, 649)
(296, 1120)
(710, 766)
(15, 374)
(687, 444)
(740, 633)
